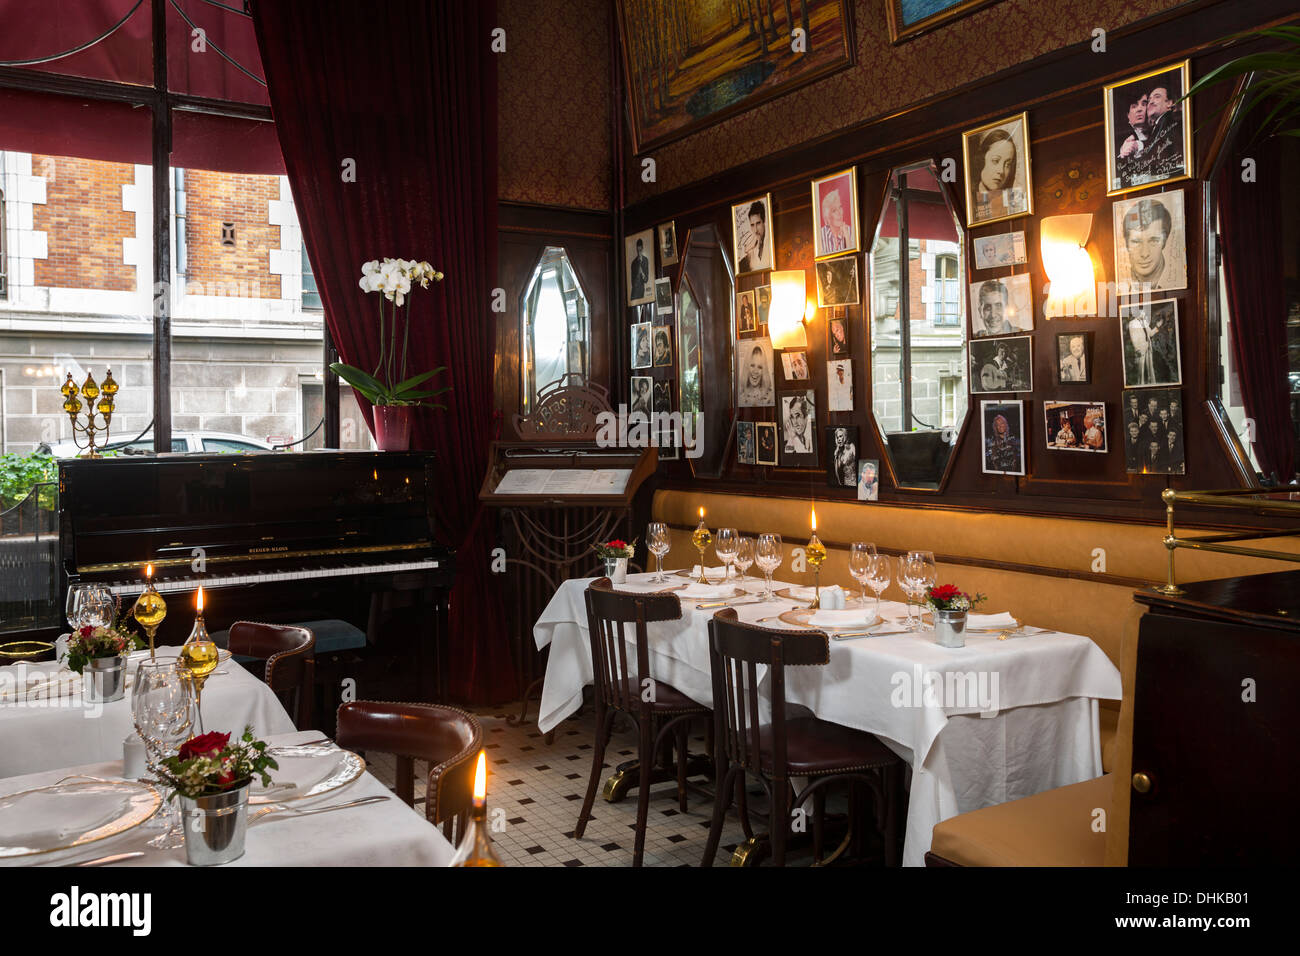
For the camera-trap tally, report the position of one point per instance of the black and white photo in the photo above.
(639, 265)
(1001, 306)
(1149, 338)
(837, 281)
(663, 346)
(998, 183)
(1005, 249)
(642, 347)
(798, 414)
(765, 434)
(1150, 244)
(1148, 130)
(839, 385)
(746, 313)
(1154, 442)
(1074, 358)
(642, 395)
(1002, 437)
(755, 375)
(752, 238)
(667, 243)
(663, 397)
(795, 366)
(664, 296)
(842, 456)
(868, 479)
(1001, 365)
(838, 332)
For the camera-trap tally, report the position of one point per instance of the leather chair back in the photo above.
(290, 661)
(447, 737)
(609, 612)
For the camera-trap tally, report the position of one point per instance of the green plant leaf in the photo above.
(366, 384)
(417, 379)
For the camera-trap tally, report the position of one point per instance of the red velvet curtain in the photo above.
(404, 92)
(1250, 227)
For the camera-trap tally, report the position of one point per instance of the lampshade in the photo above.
(1073, 287)
(785, 314)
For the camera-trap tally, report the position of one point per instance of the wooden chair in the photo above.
(773, 752)
(289, 652)
(657, 709)
(448, 738)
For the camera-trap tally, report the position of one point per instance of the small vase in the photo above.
(104, 679)
(215, 826)
(950, 628)
(393, 427)
(616, 570)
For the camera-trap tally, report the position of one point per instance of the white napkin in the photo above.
(713, 574)
(801, 594)
(302, 770)
(708, 591)
(840, 618)
(986, 622)
(833, 598)
(45, 681)
(43, 820)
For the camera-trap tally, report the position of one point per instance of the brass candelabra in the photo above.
(100, 400)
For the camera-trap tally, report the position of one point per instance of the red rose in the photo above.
(87, 631)
(616, 543)
(945, 592)
(204, 744)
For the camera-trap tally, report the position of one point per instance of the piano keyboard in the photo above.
(210, 581)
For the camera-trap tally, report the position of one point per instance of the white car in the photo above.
(181, 442)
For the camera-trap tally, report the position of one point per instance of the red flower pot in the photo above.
(393, 427)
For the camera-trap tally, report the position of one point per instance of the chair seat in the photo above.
(818, 747)
(668, 699)
(1052, 828)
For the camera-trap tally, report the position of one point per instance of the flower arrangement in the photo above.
(210, 763)
(949, 597)
(615, 549)
(388, 384)
(90, 643)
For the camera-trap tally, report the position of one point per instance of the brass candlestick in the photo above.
(90, 391)
(816, 552)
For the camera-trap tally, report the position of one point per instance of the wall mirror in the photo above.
(918, 331)
(554, 326)
(705, 333)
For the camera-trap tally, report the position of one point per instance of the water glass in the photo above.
(656, 541)
(165, 715)
(878, 575)
(860, 555)
(927, 577)
(744, 556)
(768, 556)
(725, 543)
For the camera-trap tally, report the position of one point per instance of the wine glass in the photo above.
(768, 556)
(744, 556)
(73, 606)
(724, 546)
(656, 541)
(878, 567)
(860, 555)
(928, 577)
(912, 579)
(97, 606)
(163, 710)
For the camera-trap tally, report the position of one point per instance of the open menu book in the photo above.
(564, 481)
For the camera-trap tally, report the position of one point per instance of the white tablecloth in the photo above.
(1038, 693)
(387, 833)
(66, 731)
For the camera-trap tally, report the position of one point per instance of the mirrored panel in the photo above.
(554, 326)
(705, 333)
(918, 333)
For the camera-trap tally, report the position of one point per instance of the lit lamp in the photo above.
(816, 554)
(1073, 288)
(198, 658)
(786, 310)
(150, 608)
(476, 847)
(701, 538)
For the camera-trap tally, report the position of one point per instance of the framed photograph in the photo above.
(765, 433)
(837, 331)
(1153, 431)
(755, 376)
(763, 302)
(664, 296)
(837, 281)
(1002, 437)
(642, 350)
(1150, 244)
(1074, 358)
(663, 346)
(1001, 306)
(752, 235)
(798, 412)
(746, 313)
(642, 396)
(795, 366)
(994, 252)
(998, 183)
(745, 443)
(1148, 131)
(839, 385)
(842, 456)
(911, 18)
(1075, 426)
(667, 243)
(1149, 339)
(663, 397)
(638, 250)
(835, 214)
(868, 479)
(1001, 365)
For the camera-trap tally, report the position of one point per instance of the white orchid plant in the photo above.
(388, 384)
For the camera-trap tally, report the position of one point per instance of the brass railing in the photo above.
(1243, 499)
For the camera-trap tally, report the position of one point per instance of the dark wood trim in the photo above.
(162, 238)
(536, 218)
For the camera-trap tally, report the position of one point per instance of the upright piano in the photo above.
(271, 536)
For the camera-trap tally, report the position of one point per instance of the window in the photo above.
(947, 290)
(310, 294)
(4, 258)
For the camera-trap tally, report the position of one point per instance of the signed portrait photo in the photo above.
(754, 373)
(1150, 244)
(752, 238)
(1002, 437)
(1148, 130)
(998, 183)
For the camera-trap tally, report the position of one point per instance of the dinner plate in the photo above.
(849, 619)
(72, 814)
(995, 629)
(804, 594)
(312, 770)
(712, 575)
(710, 592)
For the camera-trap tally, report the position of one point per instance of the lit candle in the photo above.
(200, 599)
(701, 514)
(148, 572)
(480, 781)
(814, 519)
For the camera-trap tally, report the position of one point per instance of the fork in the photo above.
(280, 807)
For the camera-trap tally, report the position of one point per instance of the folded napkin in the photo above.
(45, 819)
(802, 594)
(713, 574)
(708, 591)
(300, 771)
(986, 622)
(851, 617)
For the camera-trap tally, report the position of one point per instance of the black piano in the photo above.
(277, 537)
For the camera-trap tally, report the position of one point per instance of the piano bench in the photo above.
(334, 636)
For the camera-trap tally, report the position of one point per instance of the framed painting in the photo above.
(911, 18)
(693, 63)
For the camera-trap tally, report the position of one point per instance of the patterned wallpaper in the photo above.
(553, 124)
(886, 78)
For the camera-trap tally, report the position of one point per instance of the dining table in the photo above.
(46, 722)
(1011, 713)
(383, 832)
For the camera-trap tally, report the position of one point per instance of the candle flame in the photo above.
(480, 778)
(814, 519)
(200, 599)
(148, 571)
(701, 513)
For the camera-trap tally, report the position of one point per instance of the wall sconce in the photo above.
(786, 312)
(1073, 290)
